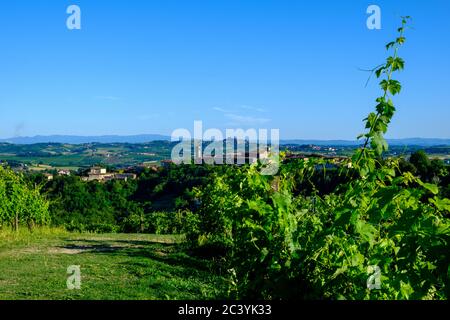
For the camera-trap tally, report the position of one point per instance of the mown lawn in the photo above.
(113, 266)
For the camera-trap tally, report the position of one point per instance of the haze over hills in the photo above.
(143, 138)
(425, 142)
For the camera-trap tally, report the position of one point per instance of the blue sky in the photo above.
(157, 65)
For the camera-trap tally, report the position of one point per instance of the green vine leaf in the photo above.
(430, 187)
(393, 86)
(390, 45)
(400, 40)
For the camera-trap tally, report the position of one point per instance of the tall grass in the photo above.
(23, 235)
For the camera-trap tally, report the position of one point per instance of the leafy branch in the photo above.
(377, 122)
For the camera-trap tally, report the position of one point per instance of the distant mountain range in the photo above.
(143, 138)
(424, 142)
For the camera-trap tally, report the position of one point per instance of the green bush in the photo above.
(166, 222)
(20, 202)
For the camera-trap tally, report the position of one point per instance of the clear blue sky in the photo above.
(157, 65)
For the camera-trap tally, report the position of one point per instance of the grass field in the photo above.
(113, 266)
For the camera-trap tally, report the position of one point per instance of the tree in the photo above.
(421, 162)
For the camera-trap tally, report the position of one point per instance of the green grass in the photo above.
(113, 266)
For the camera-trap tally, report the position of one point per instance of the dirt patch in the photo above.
(86, 246)
(30, 250)
(65, 251)
(82, 248)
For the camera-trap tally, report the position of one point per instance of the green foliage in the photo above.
(156, 202)
(81, 206)
(421, 162)
(215, 215)
(382, 221)
(20, 203)
(377, 123)
(285, 243)
(166, 222)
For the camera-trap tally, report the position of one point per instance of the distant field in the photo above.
(77, 156)
(55, 161)
(113, 266)
(61, 156)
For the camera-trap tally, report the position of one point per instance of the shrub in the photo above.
(21, 203)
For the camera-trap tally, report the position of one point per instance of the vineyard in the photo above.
(364, 228)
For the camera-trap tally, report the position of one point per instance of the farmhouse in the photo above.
(63, 172)
(101, 174)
